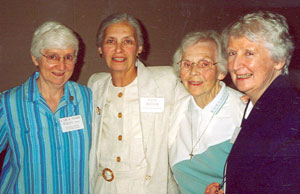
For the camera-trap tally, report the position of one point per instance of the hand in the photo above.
(213, 188)
(244, 99)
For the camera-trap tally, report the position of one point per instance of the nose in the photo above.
(61, 65)
(195, 69)
(118, 47)
(236, 62)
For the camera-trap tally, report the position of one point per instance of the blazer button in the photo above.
(120, 137)
(120, 115)
(148, 177)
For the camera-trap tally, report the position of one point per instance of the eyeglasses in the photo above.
(55, 58)
(202, 64)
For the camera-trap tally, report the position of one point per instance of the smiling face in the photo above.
(202, 85)
(55, 75)
(120, 47)
(251, 66)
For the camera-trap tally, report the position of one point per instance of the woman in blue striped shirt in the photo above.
(45, 122)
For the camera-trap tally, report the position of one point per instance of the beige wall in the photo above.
(166, 22)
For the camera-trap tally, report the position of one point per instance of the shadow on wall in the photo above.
(80, 59)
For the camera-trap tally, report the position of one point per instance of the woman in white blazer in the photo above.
(132, 106)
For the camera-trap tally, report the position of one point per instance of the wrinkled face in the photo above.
(54, 72)
(199, 82)
(251, 66)
(120, 47)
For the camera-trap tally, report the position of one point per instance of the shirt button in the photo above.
(120, 115)
(71, 98)
(120, 94)
(148, 177)
(120, 137)
(118, 159)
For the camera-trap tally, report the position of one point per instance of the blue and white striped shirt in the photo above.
(40, 157)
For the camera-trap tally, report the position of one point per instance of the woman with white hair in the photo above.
(132, 106)
(266, 154)
(45, 123)
(265, 157)
(202, 124)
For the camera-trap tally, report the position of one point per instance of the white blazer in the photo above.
(153, 82)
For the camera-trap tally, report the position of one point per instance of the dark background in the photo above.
(165, 23)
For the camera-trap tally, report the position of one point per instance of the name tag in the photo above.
(71, 123)
(152, 104)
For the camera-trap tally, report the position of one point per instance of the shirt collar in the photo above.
(34, 94)
(215, 105)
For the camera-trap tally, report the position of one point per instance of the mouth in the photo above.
(119, 59)
(58, 74)
(195, 83)
(244, 76)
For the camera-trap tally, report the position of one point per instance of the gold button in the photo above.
(71, 98)
(120, 115)
(120, 94)
(118, 159)
(120, 137)
(98, 110)
(148, 177)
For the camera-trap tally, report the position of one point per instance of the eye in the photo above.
(69, 57)
(53, 57)
(205, 63)
(186, 64)
(128, 41)
(109, 41)
(231, 53)
(249, 53)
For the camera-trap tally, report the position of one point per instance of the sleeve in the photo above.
(3, 127)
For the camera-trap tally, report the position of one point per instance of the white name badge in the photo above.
(152, 104)
(71, 123)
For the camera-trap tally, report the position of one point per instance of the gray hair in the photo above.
(53, 35)
(194, 38)
(269, 27)
(118, 18)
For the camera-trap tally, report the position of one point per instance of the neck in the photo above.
(255, 95)
(121, 79)
(50, 94)
(206, 98)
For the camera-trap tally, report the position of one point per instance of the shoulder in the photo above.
(162, 72)
(98, 77)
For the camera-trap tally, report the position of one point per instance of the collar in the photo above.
(215, 105)
(34, 94)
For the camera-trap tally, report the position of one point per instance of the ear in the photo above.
(100, 50)
(221, 76)
(35, 61)
(279, 66)
(140, 49)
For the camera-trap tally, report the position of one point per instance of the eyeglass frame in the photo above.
(198, 65)
(54, 61)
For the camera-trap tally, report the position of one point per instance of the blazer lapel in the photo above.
(147, 87)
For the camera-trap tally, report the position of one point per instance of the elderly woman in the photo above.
(132, 106)
(46, 122)
(203, 123)
(265, 157)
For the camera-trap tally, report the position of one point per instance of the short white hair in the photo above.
(194, 38)
(53, 35)
(269, 27)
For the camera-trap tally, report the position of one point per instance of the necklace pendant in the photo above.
(191, 155)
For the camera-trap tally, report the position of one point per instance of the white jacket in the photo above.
(153, 82)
